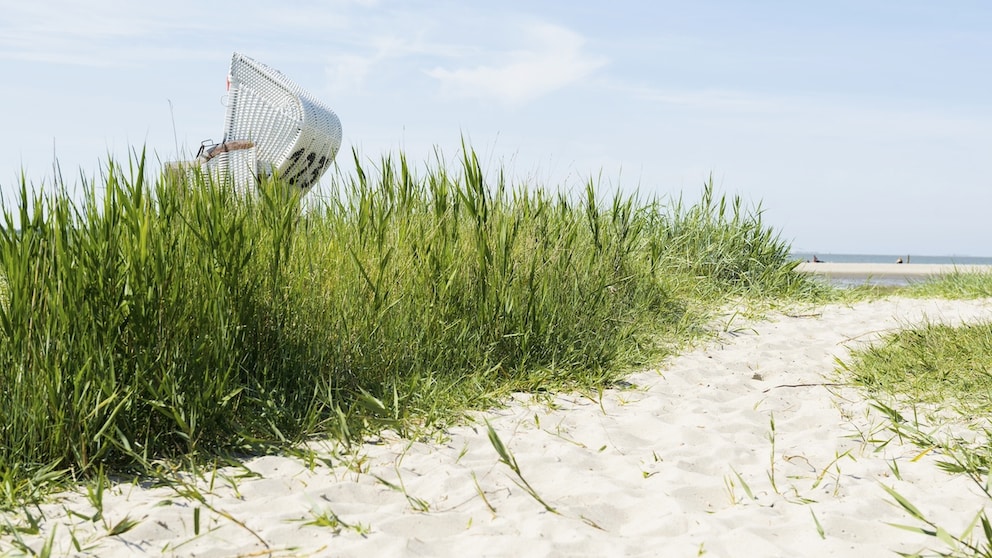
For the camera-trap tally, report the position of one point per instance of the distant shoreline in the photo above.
(887, 272)
(828, 257)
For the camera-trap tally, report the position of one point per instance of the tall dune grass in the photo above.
(160, 317)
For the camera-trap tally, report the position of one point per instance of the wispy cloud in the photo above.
(350, 70)
(120, 32)
(714, 100)
(834, 115)
(103, 33)
(554, 59)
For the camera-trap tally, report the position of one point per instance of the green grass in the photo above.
(927, 378)
(162, 318)
(959, 285)
(935, 363)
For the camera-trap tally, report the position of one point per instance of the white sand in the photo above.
(640, 472)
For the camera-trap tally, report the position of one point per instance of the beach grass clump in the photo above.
(138, 323)
(955, 285)
(167, 316)
(934, 363)
(723, 246)
(933, 384)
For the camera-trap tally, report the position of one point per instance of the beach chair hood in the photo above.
(275, 127)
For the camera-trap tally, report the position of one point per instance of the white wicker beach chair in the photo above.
(273, 126)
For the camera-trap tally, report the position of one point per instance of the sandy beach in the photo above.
(887, 271)
(680, 461)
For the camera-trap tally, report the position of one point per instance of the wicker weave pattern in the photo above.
(240, 167)
(295, 135)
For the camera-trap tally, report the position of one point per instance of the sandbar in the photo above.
(890, 271)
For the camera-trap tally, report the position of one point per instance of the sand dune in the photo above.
(678, 463)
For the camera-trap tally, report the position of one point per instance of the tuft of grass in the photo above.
(947, 368)
(729, 483)
(956, 285)
(933, 363)
(720, 246)
(325, 517)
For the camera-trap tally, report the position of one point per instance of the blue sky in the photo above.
(861, 127)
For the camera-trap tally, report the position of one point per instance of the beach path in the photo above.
(744, 445)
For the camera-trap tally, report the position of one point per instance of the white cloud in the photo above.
(555, 60)
(823, 114)
(711, 99)
(347, 72)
